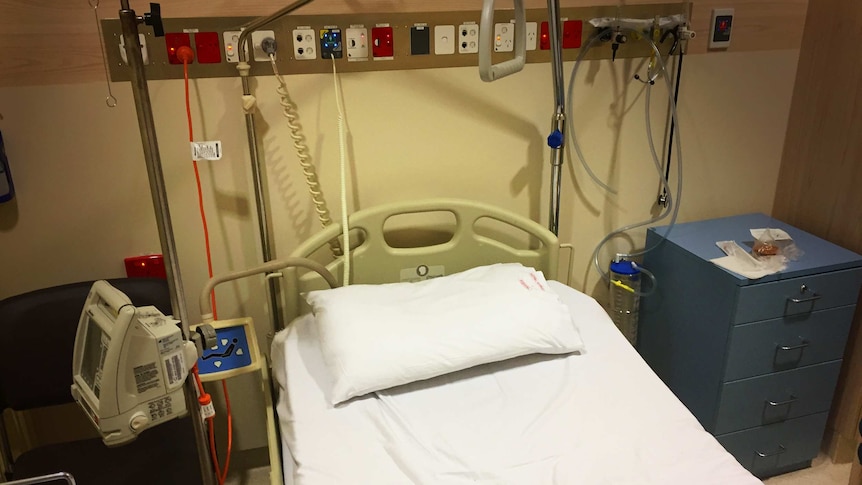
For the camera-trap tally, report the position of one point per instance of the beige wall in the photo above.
(83, 202)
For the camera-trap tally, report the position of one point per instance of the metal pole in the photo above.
(558, 123)
(257, 170)
(129, 21)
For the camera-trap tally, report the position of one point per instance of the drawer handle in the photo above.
(781, 450)
(792, 400)
(802, 290)
(787, 348)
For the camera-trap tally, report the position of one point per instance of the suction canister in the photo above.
(625, 286)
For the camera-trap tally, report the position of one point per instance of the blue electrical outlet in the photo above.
(232, 351)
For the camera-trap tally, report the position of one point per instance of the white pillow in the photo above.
(374, 337)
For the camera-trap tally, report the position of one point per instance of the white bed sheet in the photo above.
(600, 417)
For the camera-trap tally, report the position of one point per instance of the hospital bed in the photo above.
(595, 416)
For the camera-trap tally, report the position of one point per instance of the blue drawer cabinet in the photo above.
(756, 361)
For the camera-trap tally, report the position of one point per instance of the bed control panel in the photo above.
(236, 351)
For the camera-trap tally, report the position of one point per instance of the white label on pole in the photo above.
(206, 150)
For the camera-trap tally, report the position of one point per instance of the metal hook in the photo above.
(111, 100)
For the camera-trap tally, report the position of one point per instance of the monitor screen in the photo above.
(96, 343)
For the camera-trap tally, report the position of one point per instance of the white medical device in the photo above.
(491, 72)
(129, 365)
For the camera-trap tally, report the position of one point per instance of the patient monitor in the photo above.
(129, 365)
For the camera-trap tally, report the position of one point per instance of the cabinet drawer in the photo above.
(787, 343)
(776, 397)
(777, 448)
(781, 298)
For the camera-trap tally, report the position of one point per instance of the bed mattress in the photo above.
(598, 417)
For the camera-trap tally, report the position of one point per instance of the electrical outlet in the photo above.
(572, 34)
(173, 41)
(532, 35)
(331, 45)
(468, 39)
(382, 43)
(504, 37)
(207, 47)
(144, 52)
(257, 38)
(304, 44)
(231, 46)
(356, 42)
(444, 39)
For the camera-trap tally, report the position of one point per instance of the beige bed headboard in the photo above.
(482, 234)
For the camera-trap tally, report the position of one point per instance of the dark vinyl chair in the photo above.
(37, 336)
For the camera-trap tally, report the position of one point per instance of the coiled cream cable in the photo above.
(342, 145)
(302, 152)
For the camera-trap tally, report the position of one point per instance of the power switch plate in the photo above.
(545, 37)
(504, 37)
(231, 46)
(208, 47)
(304, 44)
(721, 28)
(468, 38)
(382, 45)
(420, 40)
(356, 43)
(444, 39)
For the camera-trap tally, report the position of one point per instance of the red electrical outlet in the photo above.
(381, 42)
(572, 32)
(544, 37)
(208, 47)
(173, 42)
(151, 266)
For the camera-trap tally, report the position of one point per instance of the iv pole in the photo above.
(129, 21)
(257, 169)
(556, 140)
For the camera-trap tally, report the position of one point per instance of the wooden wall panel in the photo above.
(821, 172)
(55, 41)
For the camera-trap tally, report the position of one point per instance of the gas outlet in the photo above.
(468, 38)
(356, 43)
(304, 44)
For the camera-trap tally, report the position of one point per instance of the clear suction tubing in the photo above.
(624, 275)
